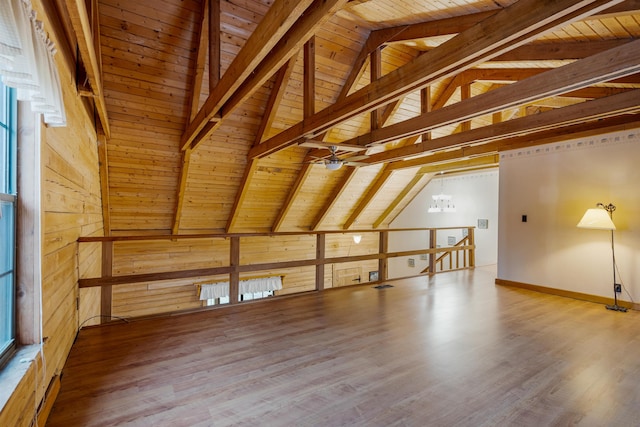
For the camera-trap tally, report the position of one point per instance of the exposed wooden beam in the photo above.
(377, 185)
(372, 44)
(581, 130)
(280, 35)
(623, 103)
(201, 59)
(465, 93)
(459, 24)
(514, 26)
(291, 196)
(304, 28)
(382, 178)
(84, 31)
(627, 7)
(613, 63)
(214, 43)
(500, 75)
(558, 51)
(279, 18)
(375, 122)
(415, 182)
(375, 70)
(425, 107)
(460, 165)
(375, 40)
(308, 107)
(182, 187)
(593, 92)
(439, 27)
(334, 197)
(103, 162)
(279, 86)
(309, 78)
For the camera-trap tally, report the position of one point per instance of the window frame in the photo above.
(8, 194)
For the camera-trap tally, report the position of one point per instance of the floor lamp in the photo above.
(601, 218)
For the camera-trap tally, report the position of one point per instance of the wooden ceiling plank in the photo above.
(87, 47)
(623, 103)
(278, 19)
(613, 63)
(374, 188)
(279, 86)
(338, 190)
(497, 34)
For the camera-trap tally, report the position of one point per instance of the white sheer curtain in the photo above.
(26, 61)
(249, 286)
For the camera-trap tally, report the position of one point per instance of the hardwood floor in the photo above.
(451, 350)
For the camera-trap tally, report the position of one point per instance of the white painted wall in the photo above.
(554, 185)
(475, 196)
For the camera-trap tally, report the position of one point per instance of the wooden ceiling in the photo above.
(204, 104)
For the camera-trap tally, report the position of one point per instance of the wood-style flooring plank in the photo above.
(453, 349)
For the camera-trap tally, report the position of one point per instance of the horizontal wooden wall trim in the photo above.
(248, 268)
(87, 239)
(565, 293)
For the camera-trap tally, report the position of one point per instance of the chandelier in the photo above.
(441, 202)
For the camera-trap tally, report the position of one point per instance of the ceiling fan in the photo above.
(333, 162)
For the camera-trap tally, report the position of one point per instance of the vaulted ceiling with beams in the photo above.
(218, 115)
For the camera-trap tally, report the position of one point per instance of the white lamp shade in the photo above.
(333, 165)
(597, 218)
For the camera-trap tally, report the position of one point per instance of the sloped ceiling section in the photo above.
(209, 101)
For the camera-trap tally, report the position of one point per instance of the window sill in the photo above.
(15, 370)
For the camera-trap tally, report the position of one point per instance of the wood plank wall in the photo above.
(71, 206)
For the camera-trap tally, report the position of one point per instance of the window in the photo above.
(8, 108)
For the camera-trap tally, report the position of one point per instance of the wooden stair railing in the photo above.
(464, 245)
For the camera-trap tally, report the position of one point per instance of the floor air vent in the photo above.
(383, 286)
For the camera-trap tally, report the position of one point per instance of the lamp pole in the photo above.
(610, 208)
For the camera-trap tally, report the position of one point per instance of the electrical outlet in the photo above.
(617, 288)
